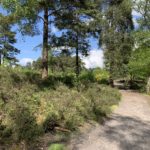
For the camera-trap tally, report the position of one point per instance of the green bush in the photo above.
(57, 147)
(138, 84)
(24, 125)
(63, 106)
(96, 75)
(5, 133)
(87, 75)
(101, 76)
(69, 108)
(102, 98)
(30, 106)
(69, 79)
(139, 71)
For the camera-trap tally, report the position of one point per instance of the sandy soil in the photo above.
(127, 129)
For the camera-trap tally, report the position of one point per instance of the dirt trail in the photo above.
(127, 129)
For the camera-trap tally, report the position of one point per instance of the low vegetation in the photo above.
(31, 107)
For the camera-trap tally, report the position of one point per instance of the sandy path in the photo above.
(127, 129)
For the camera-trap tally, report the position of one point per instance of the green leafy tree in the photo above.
(116, 37)
(139, 67)
(142, 34)
(143, 8)
(139, 63)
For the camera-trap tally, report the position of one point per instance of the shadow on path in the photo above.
(130, 133)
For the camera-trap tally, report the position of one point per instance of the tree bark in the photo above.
(111, 79)
(45, 46)
(77, 58)
(148, 85)
(0, 59)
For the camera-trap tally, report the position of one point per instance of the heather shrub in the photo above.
(30, 107)
(102, 98)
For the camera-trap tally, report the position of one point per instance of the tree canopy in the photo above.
(7, 39)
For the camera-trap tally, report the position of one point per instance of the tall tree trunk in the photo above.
(111, 80)
(0, 59)
(45, 46)
(77, 58)
(148, 85)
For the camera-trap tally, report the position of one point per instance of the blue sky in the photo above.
(28, 45)
(28, 53)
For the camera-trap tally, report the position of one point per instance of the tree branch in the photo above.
(41, 18)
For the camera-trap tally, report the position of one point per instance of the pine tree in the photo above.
(28, 14)
(78, 19)
(72, 13)
(7, 39)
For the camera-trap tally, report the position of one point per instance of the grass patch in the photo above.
(57, 147)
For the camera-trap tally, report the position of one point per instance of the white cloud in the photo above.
(61, 48)
(24, 61)
(95, 59)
